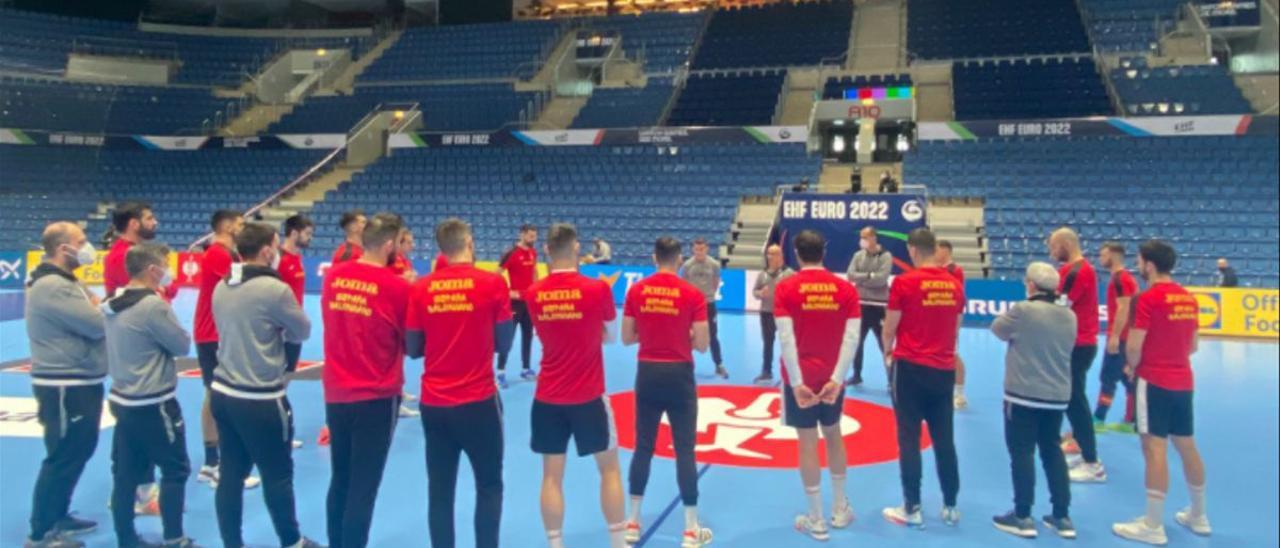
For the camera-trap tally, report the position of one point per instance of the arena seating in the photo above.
(56, 105)
(835, 86)
(503, 50)
(747, 98)
(1128, 25)
(776, 35)
(1211, 196)
(1177, 90)
(627, 107)
(947, 29)
(445, 108)
(666, 39)
(33, 193)
(626, 194)
(1036, 88)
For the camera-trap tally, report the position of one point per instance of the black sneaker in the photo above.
(856, 380)
(1062, 526)
(71, 525)
(53, 539)
(721, 371)
(1014, 525)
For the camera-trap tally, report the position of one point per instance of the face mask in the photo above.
(275, 260)
(86, 255)
(167, 279)
(864, 244)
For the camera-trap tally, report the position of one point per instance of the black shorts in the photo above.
(1163, 413)
(207, 355)
(826, 414)
(590, 425)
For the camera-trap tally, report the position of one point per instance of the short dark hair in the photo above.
(945, 244)
(810, 246)
(1114, 247)
(126, 212)
(297, 223)
(253, 239)
(221, 216)
(699, 241)
(923, 240)
(1160, 254)
(560, 239)
(528, 227)
(666, 250)
(350, 217)
(382, 228)
(451, 236)
(144, 255)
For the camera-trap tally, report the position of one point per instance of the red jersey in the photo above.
(664, 308)
(364, 308)
(1079, 282)
(819, 304)
(931, 301)
(441, 262)
(955, 271)
(1122, 285)
(1170, 316)
(346, 252)
(569, 312)
(457, 309)
(293, 273)
(115, 276)
(521, 264)
(400, 264)
(214, 266)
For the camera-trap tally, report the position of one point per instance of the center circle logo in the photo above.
(742, 426)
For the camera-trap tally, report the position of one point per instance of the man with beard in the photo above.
(298, 231)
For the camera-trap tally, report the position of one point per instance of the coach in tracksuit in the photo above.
(68, 367)
(262, 328)
(143, 337)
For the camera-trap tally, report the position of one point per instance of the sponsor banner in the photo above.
(1154, 126)
(18, 418)
(13, 270)
(568, 137)
(15, 137)
(170, 143)
(91, 274)
(847, 109)
(731, 297)
(1229, 13)
(1239, 312)
(839, 217)
(605, 137)
(779, 134)
(324, 141)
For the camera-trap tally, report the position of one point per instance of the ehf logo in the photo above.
(912, 211)
(784, 134)
(10, 270)
(742, 426)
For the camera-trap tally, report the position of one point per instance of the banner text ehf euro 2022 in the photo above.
(840, 217)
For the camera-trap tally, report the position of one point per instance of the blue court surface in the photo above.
(745, 498)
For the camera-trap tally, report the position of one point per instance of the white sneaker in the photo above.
(950, 516)
(1197, 524)
(696, 538)
(959, 401)
(1085, 472)
(632, 534)
(212, 474)
(841, 514)
(1138, 530)
(898, 515)
(408, 412)
(814, 527)
(297, 444)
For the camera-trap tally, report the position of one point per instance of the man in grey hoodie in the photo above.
(68, 367)
(869, 271)
(1037, 389)
(143, 338)
(262, 328)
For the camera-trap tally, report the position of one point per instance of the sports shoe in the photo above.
(529, 374)
(405, 396)
(950, 516)
(148, 503)
(632, 535)
(899, 515)
(696, 538)
(721, 371)
(765, 379)
(212, 474)
(841, 514)
(1138, 530)
(184, 542)
(959, 401)
(71, 525)
(297, 444)
(53, 539)
(1197, 524)
(308, 543)
(407, 412)
(855, 380)
(814, 527)
(1088, 472)
(1062, 526)
(1014, 525)
(502, 380)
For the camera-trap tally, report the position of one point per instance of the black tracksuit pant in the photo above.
(255, 432)
(1078, 413)
(872, 322)
(922, 393)
(70, 416)
(1025, 430)
(666, 388)
(359, 440)
(768, 332)
(520, 314)
(144, 436)
(1112, 374)
(713, 325)
(475, 429)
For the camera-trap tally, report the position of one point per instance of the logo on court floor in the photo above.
(742, 426)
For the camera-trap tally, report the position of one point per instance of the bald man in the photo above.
(775, 270)
(1226, 274)
(1079, 284)
(68, 367)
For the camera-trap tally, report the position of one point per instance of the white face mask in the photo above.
(865, 245)
(86, 255)
(167, 279)
(275, 261)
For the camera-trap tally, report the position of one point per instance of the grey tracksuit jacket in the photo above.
(257, 317)
(1041, 335)
(65, 330)
(143, 338)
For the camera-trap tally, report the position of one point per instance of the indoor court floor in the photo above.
(747, 505)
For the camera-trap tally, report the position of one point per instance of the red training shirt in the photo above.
(441, 262)
(364, 308)
(819, 304)
(400, 264)
(1170, 316)
(456, 309)
(115, 276)
(664, 308)
(1079, 282)
(346, 252)
(293, 273)
(1122, 285)
(214, 266)
(931, 301)
(569, 312)
(521, 264)
(956, 271)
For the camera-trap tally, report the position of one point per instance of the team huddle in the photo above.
(249, 325)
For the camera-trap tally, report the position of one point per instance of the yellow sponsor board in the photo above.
(1239, 312)
(89, 274)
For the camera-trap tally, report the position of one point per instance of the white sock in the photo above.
(813, 493)
(555, 539)
(1197, 499)
(959, 390)
(635, 508)
(838, 494)
(1155, 508)
(690, 518)
(617, 535)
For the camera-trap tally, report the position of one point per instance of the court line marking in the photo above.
(648, 534)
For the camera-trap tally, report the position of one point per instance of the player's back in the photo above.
(569, 312)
